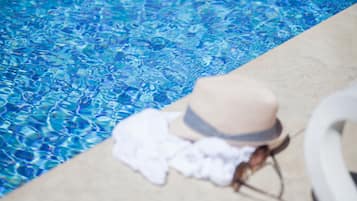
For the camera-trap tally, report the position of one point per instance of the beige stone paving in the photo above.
(300, 72)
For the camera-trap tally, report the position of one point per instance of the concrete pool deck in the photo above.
(301, 72)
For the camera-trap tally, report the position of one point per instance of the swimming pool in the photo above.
(69, 70)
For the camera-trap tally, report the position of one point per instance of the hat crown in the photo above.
(234, 104)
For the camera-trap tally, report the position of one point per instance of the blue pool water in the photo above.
(71, 69)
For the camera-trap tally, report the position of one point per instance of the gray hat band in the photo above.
(196, 123)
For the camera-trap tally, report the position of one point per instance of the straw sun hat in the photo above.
(240, 110)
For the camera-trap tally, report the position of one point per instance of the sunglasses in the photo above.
(256, 162)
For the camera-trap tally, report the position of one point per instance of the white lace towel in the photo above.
(143, 142)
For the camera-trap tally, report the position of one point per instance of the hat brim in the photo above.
(179, 128)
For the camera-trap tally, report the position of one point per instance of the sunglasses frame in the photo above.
(257, 161)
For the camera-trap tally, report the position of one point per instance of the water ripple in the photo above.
(70, 70)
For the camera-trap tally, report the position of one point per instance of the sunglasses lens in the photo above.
(259, 157)
(240, 176)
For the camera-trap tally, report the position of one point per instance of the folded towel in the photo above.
(144, 143)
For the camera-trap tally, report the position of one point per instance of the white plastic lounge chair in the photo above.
(326, 168)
